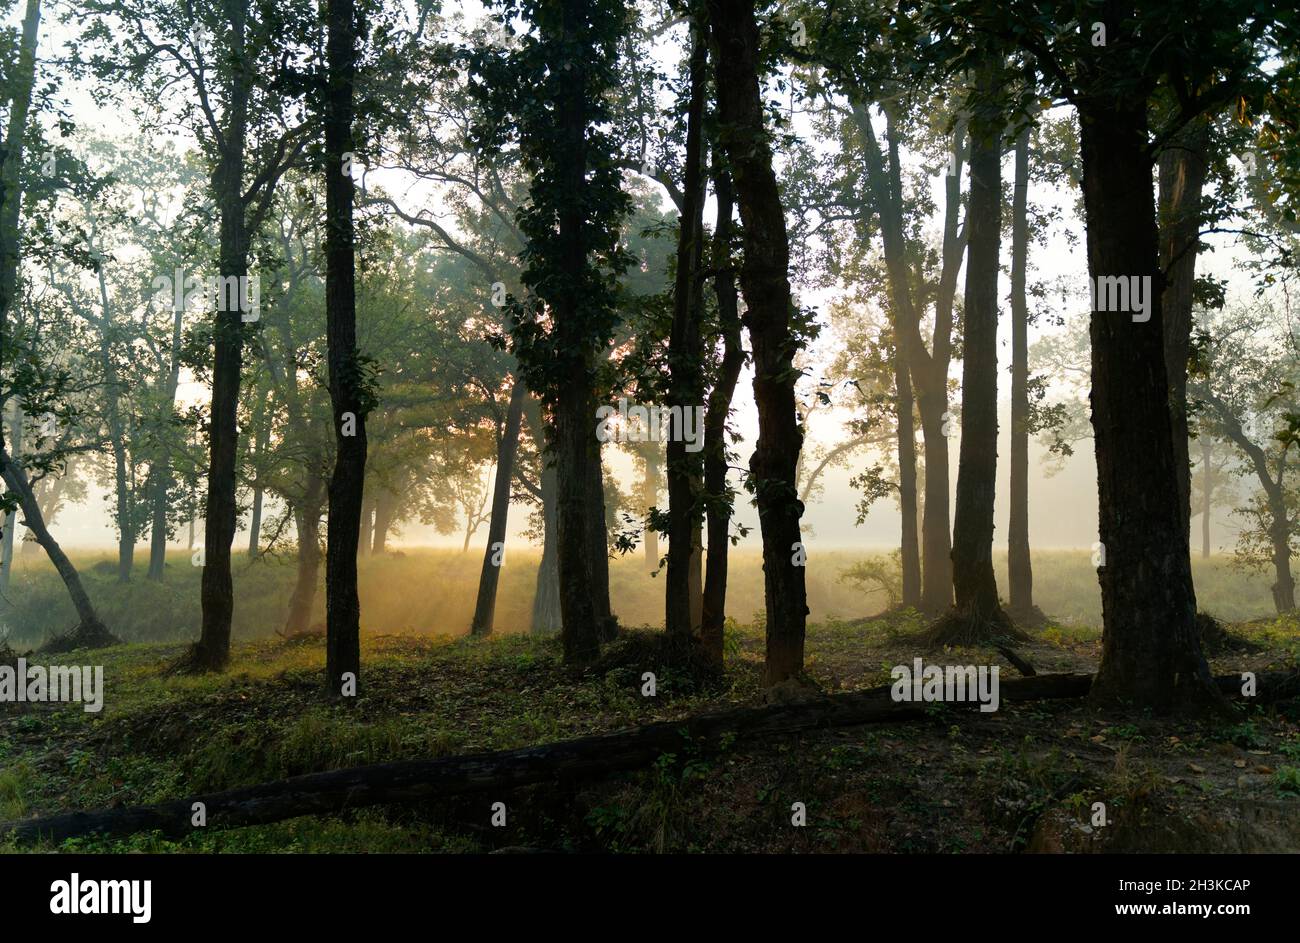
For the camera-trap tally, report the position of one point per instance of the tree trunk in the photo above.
(978, 612)
(1182, 169)
(1284, 587)
(490, 575)
(385, 504)
(928, 372)
(1207, 487)
(367, 539)
(685, 359)
(91, 627)
(1151, 652)
(598, 549)
(547, 618)
(764, 279)
(304, 589)
(163, 480)
(650, 498)
(11, 518)
(212, 651)
(347, 384)
(261, 441)
(720, 500)
(1020, 573)
(909, 549)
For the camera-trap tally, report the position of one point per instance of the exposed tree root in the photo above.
(959, 629)
(92, 634)
(197, 660)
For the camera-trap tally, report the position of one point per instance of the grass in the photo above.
(432, 591)
(956, 782)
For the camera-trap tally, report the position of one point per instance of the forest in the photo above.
(622, 426)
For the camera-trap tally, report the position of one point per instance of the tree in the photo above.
(685, 359)
(349, 376)
(774, 330)
(1020, 572)
(553, 88)
(978, 613)
(1107, 67)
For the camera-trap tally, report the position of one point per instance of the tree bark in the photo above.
(1151, 652)
(1207, 471)
(685, 358)
(1020, 573)
(367, 527)
(909, 547)
(720, 501)
(347, 382)
(163, 480)
(304, 589)
(490, 575)
(385, 504)
(928, 371)
(546, 617)
(650, 498)
(764, 279)
(976, 590)
(1182, 170)
(212, 651)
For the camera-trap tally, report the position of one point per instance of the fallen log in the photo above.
(410, 780)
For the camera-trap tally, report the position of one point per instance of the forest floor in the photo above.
(1026, 777)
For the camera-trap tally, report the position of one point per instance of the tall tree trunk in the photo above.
(1151, 652)
(720, 500)
(1182, 170)
(163, 480)
(598, 549)
(909, 548)
(348, 393)
(1284, 586)
(978, 614)
(367, 538)
(212, 651)
(685, 359)
(547, 617)
(116, 430)
(1020, 573)
(261, 441)
(307, 519)
(764, 279)
(650, 498)
(1207, 488)
(490, 575)
(576, 448)
(385, 504)
(928, 372)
